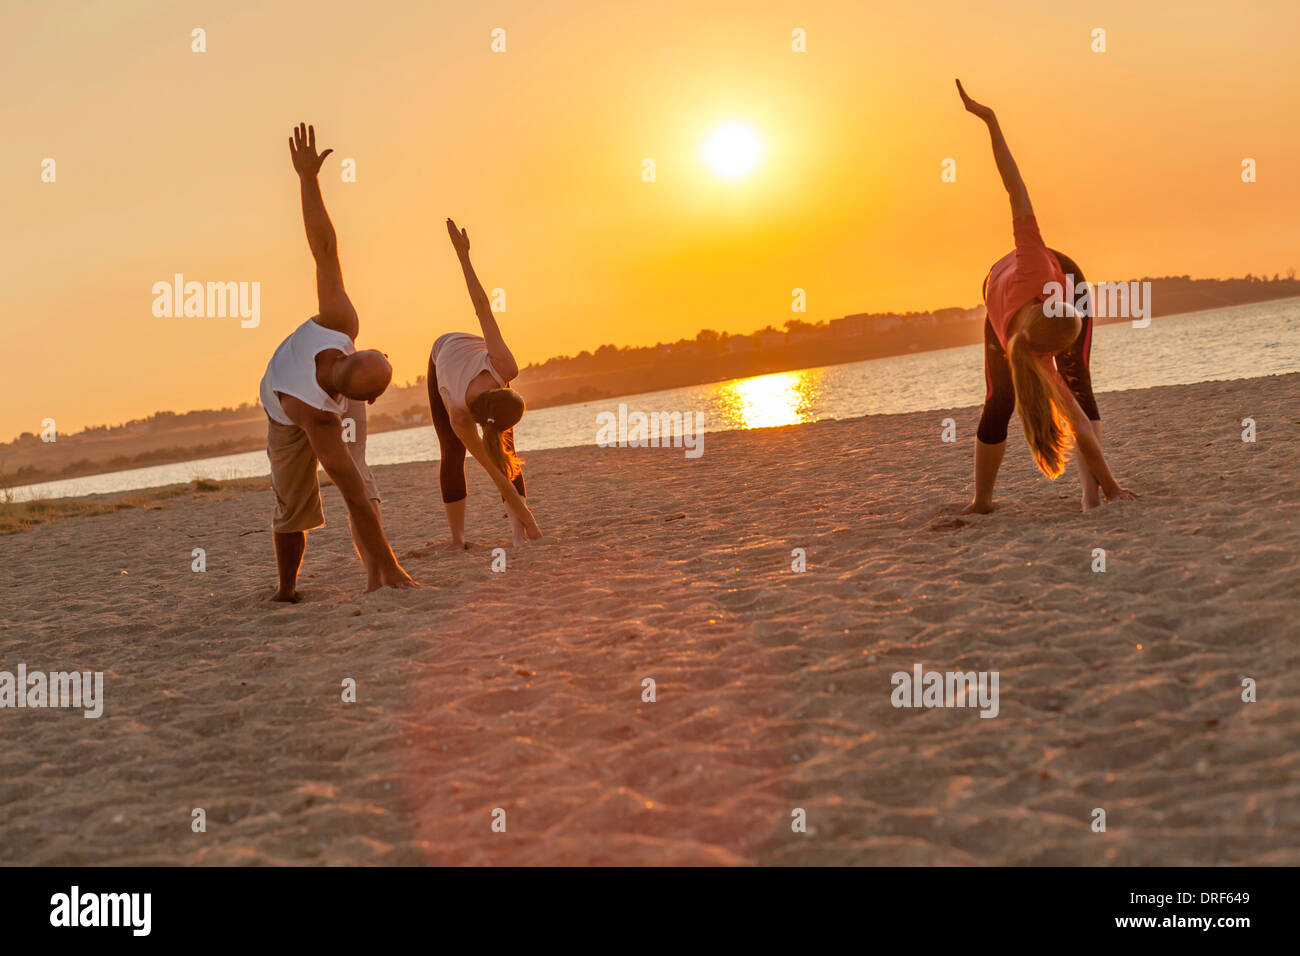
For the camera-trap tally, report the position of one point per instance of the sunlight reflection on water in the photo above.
(782, 398)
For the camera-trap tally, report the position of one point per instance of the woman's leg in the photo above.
(451, 464)
(991, 436)
(1073, 364)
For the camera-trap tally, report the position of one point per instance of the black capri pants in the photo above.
(1000, 398)
(451, 466)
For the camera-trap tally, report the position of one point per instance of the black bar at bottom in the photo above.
(615, 908)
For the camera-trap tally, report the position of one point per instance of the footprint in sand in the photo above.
(948, 523)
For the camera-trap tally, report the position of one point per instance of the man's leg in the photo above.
(289, 549)
(297, 502)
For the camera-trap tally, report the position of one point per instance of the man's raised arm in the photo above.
(336, 311)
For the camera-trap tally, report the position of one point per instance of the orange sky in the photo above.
(171, 161)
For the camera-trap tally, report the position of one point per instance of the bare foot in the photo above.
(975, 508)
(392, 577)
(1090, 503)
(291, 598)
(457, 546)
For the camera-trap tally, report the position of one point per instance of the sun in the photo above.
(732, 150)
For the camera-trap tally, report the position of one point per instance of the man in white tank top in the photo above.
(315, 380)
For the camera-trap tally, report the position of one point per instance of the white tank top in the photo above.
(458, 357)
(292, 370)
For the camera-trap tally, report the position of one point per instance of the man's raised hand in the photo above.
(459, 238)
(302, 148)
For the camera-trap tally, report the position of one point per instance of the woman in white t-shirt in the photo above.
(469, 379)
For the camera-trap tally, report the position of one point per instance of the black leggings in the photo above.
(1000, 399)
(451, 467)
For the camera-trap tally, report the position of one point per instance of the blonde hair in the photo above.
(502, 452)
(1047, 428)
(497, 411)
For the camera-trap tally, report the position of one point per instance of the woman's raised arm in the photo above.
(1011, 179)
(502, 359)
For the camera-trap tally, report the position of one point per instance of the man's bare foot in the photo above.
(396, 585)
(292, 597)
(1090, 503)
(458, 546)
(393, 577)
(976, 508)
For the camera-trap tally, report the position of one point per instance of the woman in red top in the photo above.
(1036, 358)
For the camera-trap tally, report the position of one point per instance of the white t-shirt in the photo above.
(458, 357)
(292, 370)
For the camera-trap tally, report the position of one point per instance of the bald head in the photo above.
(363, 376)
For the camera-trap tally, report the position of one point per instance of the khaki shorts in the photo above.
(293, 471)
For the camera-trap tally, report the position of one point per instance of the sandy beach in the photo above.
(522, 690)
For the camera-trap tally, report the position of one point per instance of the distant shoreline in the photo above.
(19, 515)
(109, 455)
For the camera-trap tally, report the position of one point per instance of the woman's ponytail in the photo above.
(1047, 430)
(501, 452)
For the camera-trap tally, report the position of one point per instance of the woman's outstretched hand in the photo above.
(459, 238)
(983, 112)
